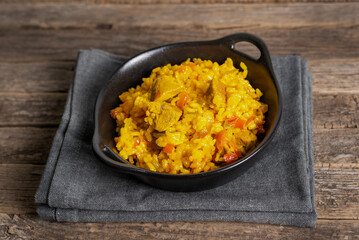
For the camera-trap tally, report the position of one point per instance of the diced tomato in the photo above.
(236, 122)
(239, 123)
(239, 154)
(230, 157)
(139, 140)
(169, 148)
(114, 113)
(158, 94)
(232, 119)
(220, 140)
(191, 65)
(182, 69)
(184, 99)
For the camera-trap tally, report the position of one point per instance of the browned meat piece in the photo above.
(164, 88)
(217, 92)
(164, 115)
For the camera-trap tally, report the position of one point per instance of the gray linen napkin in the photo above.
(278, 189)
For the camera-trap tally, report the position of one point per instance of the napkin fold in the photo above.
(278, 189)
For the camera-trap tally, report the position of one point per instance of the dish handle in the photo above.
(231, 40)
(105, 152)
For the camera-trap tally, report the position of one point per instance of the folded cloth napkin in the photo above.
(278, 189)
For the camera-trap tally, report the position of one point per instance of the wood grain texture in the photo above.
(335, 76)
(36, 76)
(336, 148)
(39, 45)
(31, 108)
(337, 191)
(25, 144)
(136, 2)
(335, 205)
(336, 110)
(174, 16)
(30, 227)
(18, 184)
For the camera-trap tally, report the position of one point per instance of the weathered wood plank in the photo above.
(173, 16)
(18, 184)
(17, 201)
(30, 227)
(336, 110)
(171, 1)
(31, 109)
(30, 145)
(39, 44)
(336, 148)
(334, 76)
(329, 76)
(36, 76)
(330, 110)
(25, 144)
(337, 191)
(20, 176)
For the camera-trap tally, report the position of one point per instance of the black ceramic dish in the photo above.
(260, 75)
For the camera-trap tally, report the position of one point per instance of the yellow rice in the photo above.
(212, 131)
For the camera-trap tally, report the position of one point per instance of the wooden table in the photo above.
(39, 41)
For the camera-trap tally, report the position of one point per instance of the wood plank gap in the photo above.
(29, 124)
(147, 2)
(107, 17)
(338, 219)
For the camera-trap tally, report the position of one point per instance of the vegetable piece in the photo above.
(191, 65)
(230, 157)
(164, 88)
(114, 113)
(236, 122)
(169, 148)
(221, 140)
(184, 99)
(239, 123)
(182, 69)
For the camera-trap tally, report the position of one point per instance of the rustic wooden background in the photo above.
(39, 41)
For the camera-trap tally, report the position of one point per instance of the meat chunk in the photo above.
(164, 115)
(164, 88)
(217, 92)
(245, 138)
